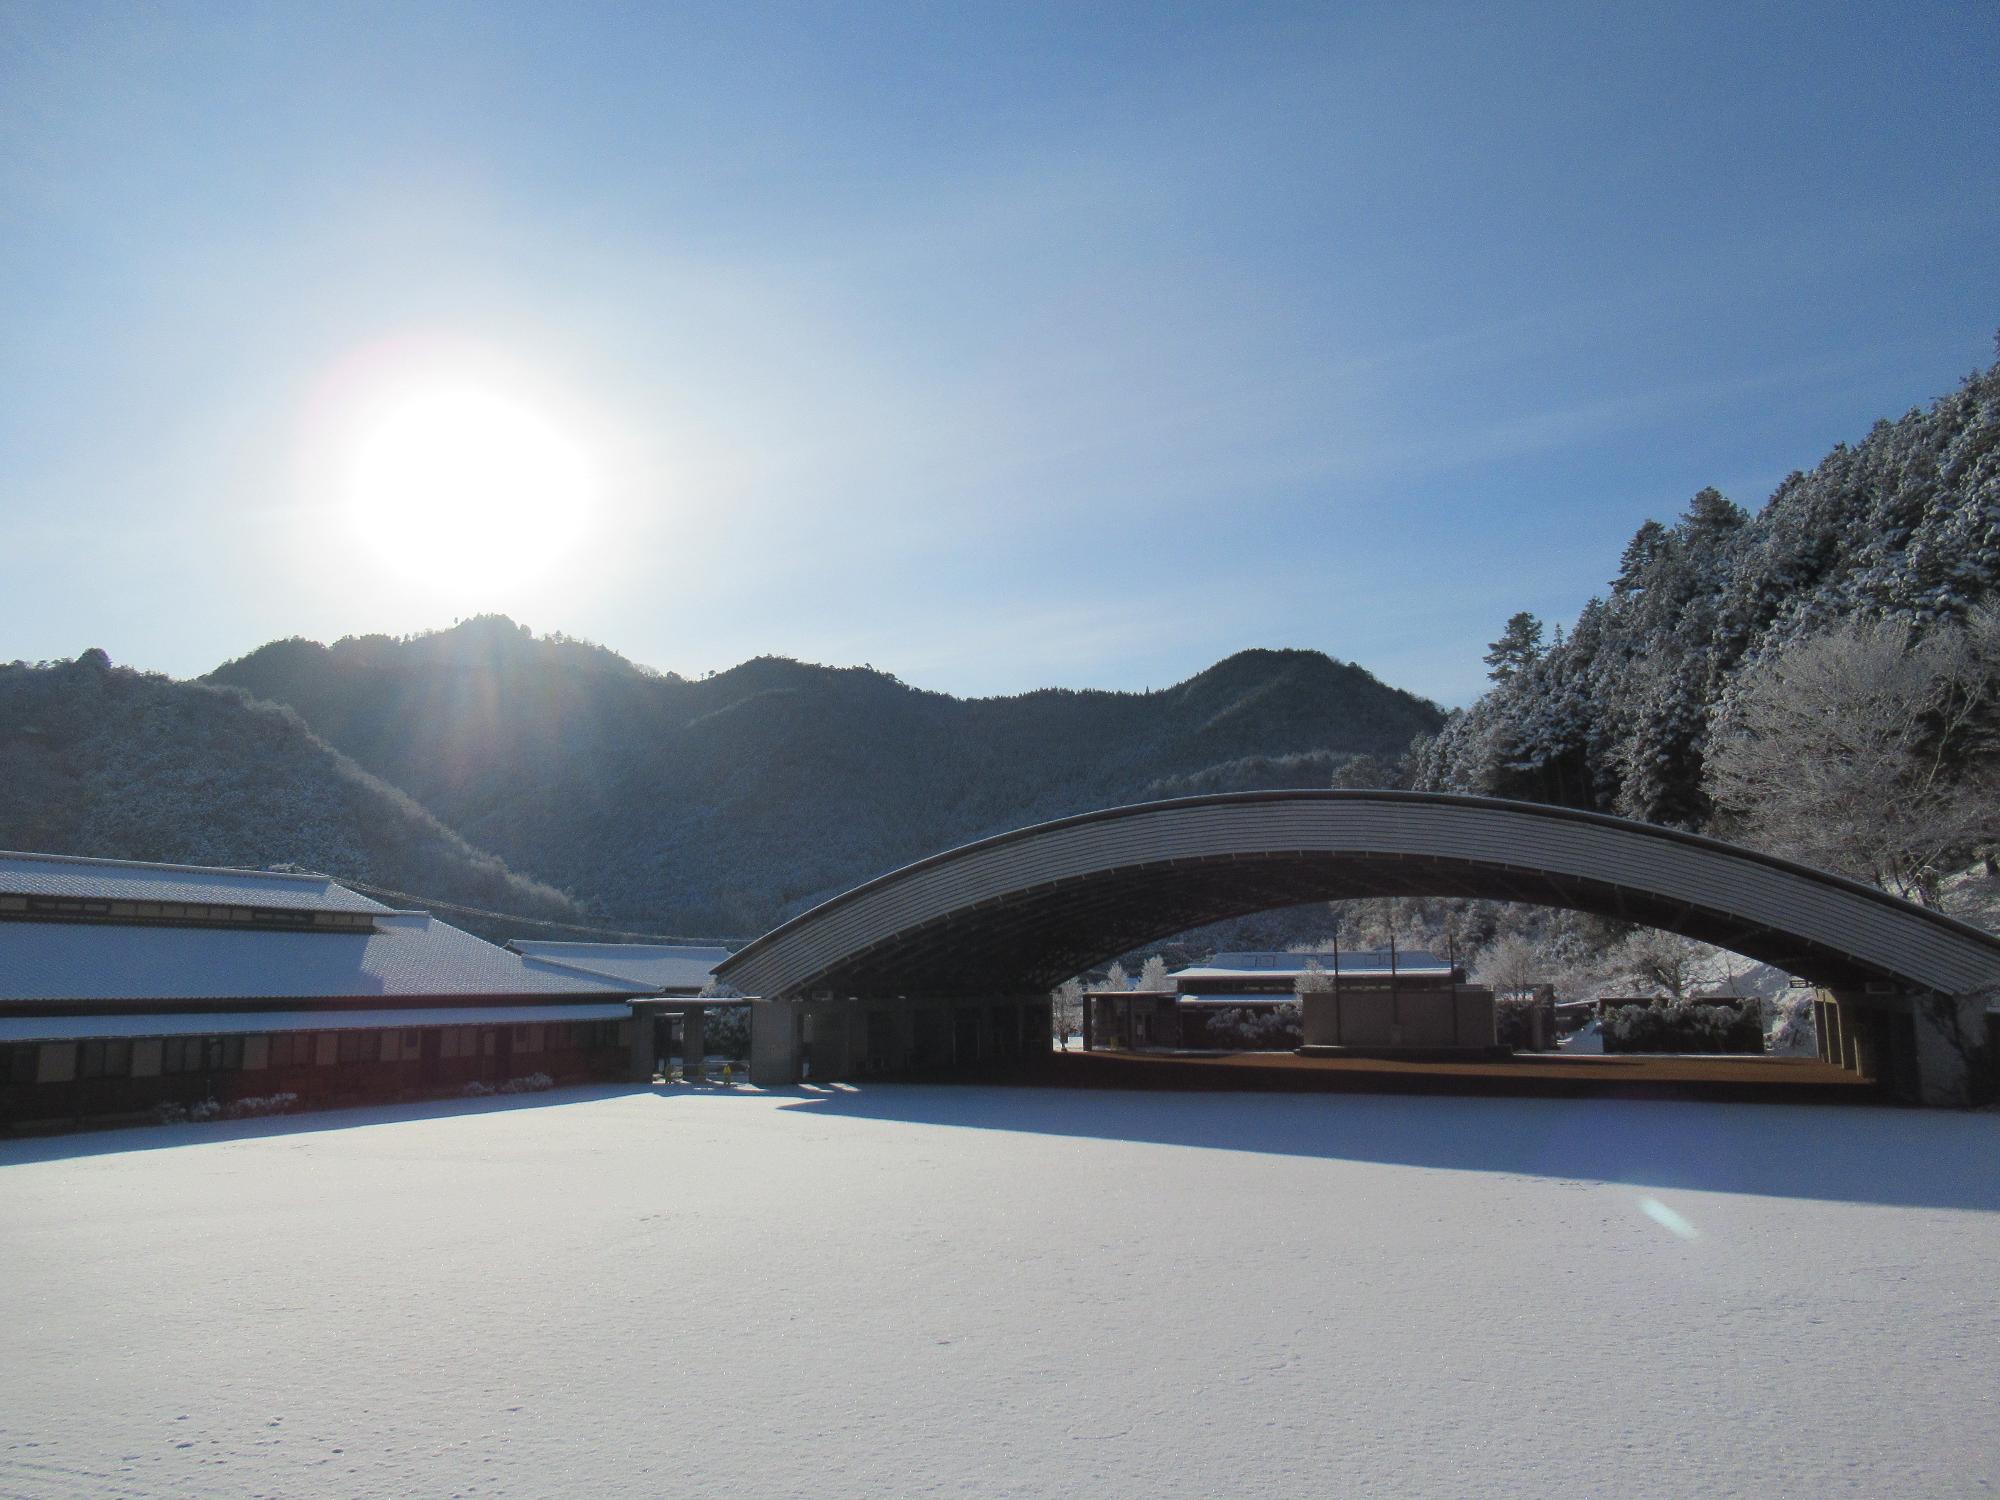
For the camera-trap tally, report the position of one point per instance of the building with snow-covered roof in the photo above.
(126, 986)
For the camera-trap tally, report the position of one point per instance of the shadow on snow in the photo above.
(1848, 1153)
(115, 1140)
(1858, 1154)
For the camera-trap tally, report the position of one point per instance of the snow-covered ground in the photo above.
(901, 1291)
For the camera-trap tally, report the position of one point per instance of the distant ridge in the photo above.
(727, 803)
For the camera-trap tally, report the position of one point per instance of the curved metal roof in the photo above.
(1021, 911)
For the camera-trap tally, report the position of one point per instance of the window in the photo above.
(292, 1049)
(360, 1046)
(18, 1063)
(104, 1057)
(199, 1054)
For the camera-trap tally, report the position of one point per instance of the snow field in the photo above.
(911, 1291)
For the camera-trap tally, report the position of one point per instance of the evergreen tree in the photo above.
(1519, 647)
(1710, 516)
(1646, 545)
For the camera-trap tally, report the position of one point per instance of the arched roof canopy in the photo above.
(1019, 912)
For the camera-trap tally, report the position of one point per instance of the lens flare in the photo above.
(1667, 1219)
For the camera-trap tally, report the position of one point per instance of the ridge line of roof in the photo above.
(581, 972)
(149, 864)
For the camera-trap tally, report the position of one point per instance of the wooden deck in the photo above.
(1802, 1080)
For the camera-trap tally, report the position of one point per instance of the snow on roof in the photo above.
(1290, 965)
(229, 1022)
(74, 878)
(657, 966)
(1281, 997)
(406, 954)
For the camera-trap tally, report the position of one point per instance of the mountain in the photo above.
(1903, 525)
(723, 804)
(102, 760)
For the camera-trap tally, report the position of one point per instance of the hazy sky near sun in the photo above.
(999, 346)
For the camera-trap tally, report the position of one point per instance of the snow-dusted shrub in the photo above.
(1685, 1026)
(477, 1090)
(534, 1083)
(207, 1109)
(261, 1104)
(1255, 1031)
(169, 1113)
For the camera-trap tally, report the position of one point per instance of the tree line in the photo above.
(1818, 679)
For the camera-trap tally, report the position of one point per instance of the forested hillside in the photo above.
(723, 804)
(105, 761)
(1617, 713)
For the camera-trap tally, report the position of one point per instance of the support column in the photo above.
(1089, 1022)
(774, 1043)
(641, 1055)
(1835, 1019)
(694, 1043)
(1952, 1068)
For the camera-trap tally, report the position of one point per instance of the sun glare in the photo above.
(466, 486)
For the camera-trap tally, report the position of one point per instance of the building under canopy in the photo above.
(683, 973)
(1373, 1000)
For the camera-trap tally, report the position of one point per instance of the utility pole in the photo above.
(1395, 997)
(1339, 1031)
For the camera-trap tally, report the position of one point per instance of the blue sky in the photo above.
(998, 346)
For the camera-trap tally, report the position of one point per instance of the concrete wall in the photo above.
(1426, 1020)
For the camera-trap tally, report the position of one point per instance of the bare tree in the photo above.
(1368, 922)
(1314, 980)
(1867, 751)
(1066, 1010)
(1511, 966)
(1153, 974)
(1115, 978)
(1662, 960)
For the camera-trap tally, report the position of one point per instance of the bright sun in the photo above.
(467, 487)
